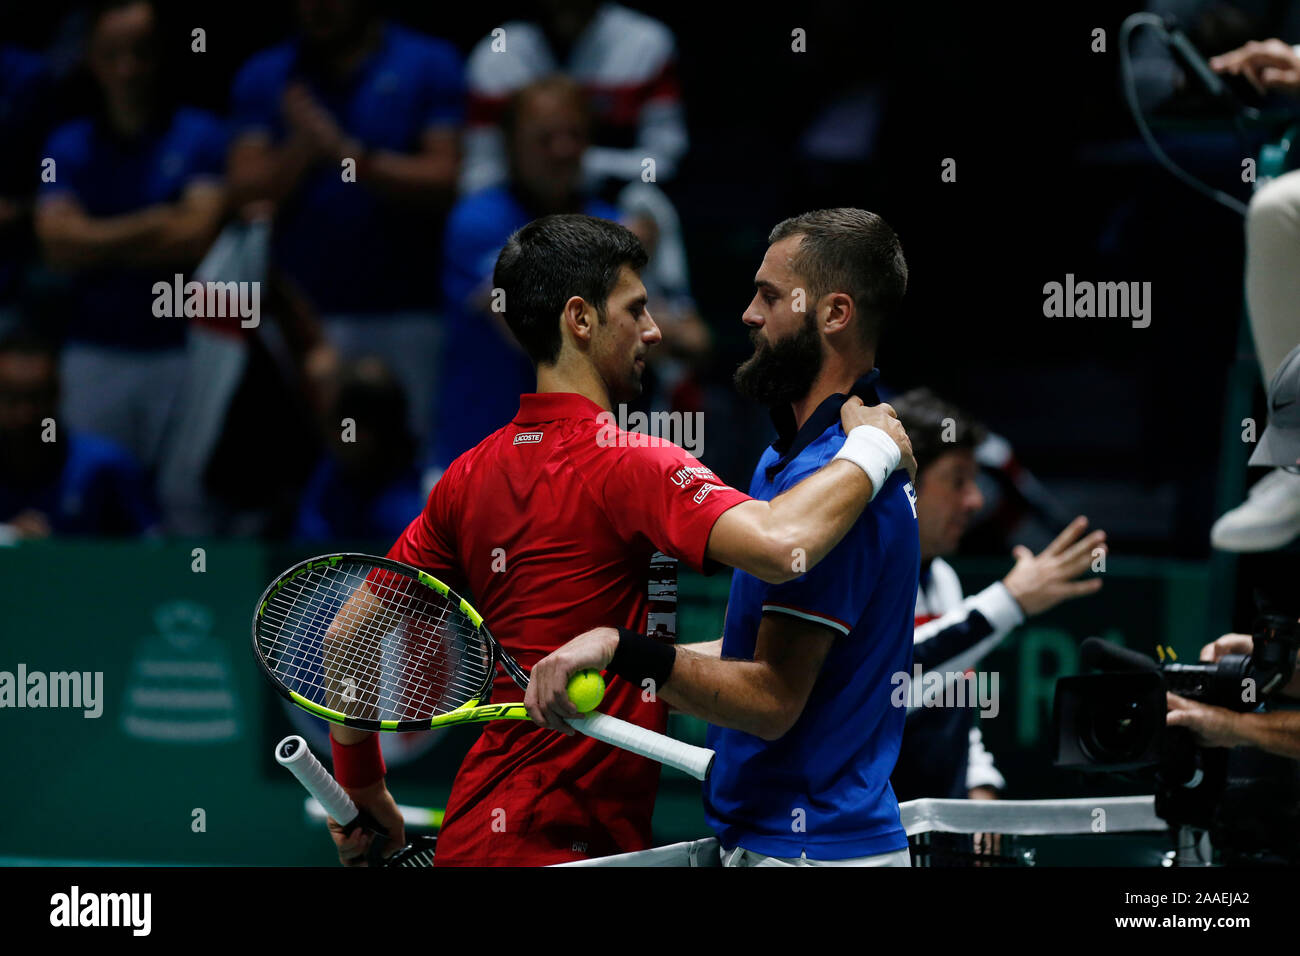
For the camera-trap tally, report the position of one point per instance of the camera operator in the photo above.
(1277, 732)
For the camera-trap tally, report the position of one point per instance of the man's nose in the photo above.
(652, 335)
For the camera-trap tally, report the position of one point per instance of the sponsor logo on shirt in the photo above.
(685, 476)
(528, 438)
(703, 492)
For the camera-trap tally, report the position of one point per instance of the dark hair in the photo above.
(851, 251)
(549, 261)
(930, 420)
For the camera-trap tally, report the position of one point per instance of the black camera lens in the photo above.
(1115, 732)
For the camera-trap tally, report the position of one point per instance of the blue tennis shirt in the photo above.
(350, 250)
(112, 306)
(824, 788)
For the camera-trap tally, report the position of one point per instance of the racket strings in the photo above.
(373, 644)
(356, 666)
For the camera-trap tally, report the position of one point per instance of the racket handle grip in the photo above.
(689, 759)
(293, 754)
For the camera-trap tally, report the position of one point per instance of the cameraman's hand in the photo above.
(1040, 582)
(1267, 64)
(1212, 726)
(1245, 644)
(1228, 644)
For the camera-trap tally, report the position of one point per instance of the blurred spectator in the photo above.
(353, 87)
(24, 106)
(1210, 25)
(54, 480)
(671, 383)
(130, 196)
(943, 751)
(368, 486)
(626, 63)
(485, 371)
(238, 379)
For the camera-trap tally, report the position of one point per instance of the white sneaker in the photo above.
(1269, 518)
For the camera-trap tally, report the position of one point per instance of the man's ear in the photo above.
(840, 313)
(577, 319)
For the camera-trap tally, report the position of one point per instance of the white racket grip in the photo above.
(294, 755)
(696, 761)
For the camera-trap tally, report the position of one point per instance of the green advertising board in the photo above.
(170, 761)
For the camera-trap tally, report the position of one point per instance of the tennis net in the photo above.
(1084, 831)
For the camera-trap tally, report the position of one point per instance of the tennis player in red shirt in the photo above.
(551, 524)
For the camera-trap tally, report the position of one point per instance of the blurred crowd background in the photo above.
(217, 155)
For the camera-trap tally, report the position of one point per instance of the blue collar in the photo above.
(791, 441)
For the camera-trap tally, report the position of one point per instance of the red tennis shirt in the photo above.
(551, 526)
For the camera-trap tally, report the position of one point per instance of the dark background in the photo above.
(1051, 179)
(1128, 426)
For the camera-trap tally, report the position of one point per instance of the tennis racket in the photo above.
(293, 754)
(375, 644)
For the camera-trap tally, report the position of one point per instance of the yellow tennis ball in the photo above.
(586, 688)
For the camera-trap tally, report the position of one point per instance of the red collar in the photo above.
(535, 408)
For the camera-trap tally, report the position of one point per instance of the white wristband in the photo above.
(872, 450)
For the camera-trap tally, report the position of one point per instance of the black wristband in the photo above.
(639, 658)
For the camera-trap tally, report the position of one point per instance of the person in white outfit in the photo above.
(1270, 516)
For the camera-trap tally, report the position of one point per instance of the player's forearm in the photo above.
(348, 735)
(341, 684)
(1277, 732)
(779, 540)
(743, 695)
(705, 648)
(815, 514)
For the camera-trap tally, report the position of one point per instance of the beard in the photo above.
(779, 373)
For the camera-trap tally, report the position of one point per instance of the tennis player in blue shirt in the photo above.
(799, 687)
